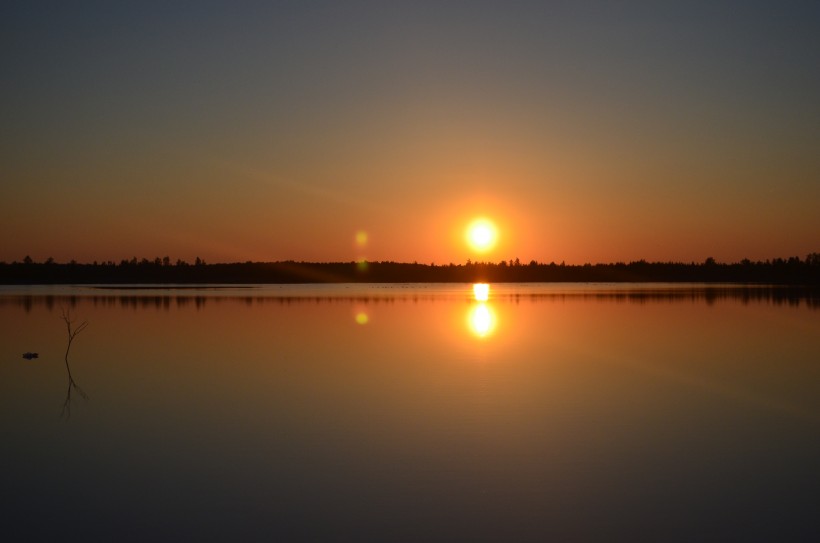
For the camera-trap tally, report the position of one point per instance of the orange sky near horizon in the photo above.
(280, 132)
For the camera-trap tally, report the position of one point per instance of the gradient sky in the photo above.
(234, 131)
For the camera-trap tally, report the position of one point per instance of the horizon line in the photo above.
(810, 257)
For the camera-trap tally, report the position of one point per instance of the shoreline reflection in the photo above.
(388, 294)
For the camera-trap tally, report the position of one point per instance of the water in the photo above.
(411, 413)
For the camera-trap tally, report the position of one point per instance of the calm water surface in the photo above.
(411, 413)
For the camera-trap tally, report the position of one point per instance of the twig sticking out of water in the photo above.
(73, 332)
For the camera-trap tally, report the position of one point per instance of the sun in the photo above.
(482, 235)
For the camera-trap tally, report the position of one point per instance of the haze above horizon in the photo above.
(324, 131)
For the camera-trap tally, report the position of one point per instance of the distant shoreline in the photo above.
(791, 271)
(166, 286)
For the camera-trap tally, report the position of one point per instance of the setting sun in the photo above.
(481, 235)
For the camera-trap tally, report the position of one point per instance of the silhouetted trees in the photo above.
(791, 270)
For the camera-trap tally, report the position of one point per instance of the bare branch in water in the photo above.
(73, 332)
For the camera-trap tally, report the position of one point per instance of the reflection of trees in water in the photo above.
(73, 332)
(776, 295)
(792, 296)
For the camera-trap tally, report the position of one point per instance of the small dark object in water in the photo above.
(30, 356)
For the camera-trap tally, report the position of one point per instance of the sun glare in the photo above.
(481, 320)
(481, 292)
(482, 235)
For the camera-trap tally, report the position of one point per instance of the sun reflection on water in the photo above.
(481, 292)
(481, 318)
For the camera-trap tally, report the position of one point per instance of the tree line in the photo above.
(793, 270)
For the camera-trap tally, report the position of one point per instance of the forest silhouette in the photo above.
(790, 271)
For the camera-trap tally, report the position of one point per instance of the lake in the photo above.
(532, 412)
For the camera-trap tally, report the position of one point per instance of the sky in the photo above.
(336, 131)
